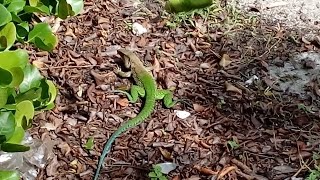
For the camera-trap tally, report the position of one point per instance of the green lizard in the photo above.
(146, 87)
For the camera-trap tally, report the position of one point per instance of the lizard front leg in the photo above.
(166, 96)
(135, 93)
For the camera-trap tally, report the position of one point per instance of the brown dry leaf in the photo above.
(65, 148)
(124, 102)
(166, 154)
(198, 108)
(156, 65)
(225, 171)
(193, 178)
(52, 168)
(39, 64)
(177, 177)
(232, 88)
(317, 89)
(169, 82)
(204, 170)
(225, 60)
(49, 126)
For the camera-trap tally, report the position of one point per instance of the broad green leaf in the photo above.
(7, 124)
(11, 59)
(64, 9)
(32, 78)
(152, 174)
(5, 15)
(52, 91)
(17, 76)
(8, 33)
(16, 6)
(2, 139)
(17, 136)
(5, 77)
(16, 18)
(42, 36)
(40, 8)
(89, 144)
(33, 2)
(77, 6)
(9, 175)
(12, 147)
(31, 95)
(3, 97)
(22, 29)
(24, 109)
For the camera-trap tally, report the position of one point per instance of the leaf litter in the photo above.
(273, 135)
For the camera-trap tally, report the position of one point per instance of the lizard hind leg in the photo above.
(135, 93)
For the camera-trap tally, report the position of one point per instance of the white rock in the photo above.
(138, 29)
(182, 114)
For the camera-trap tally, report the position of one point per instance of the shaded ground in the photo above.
(276, 138)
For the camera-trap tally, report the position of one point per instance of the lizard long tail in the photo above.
(144, 113)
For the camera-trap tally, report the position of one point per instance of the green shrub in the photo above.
(15, 16)
(23, 92)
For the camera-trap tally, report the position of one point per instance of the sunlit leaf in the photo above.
(42, 36)
(5, 15)
(8, 33)
(17, 136)
(7, 124)
(33, 2)
(9, 175)
(3, 97)
(11, 59)
(40, 8)
(17, 76)
(32, 78)
(24, 109)
(16, 6)
(77, 6)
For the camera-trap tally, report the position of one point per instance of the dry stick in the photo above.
(60, 67)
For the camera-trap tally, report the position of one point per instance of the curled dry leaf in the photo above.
(198, 108)
(166, 154)
(52, 168)
(225, 171)
(123, 102)
(225, 60)
(232, 88)
(204, 170)
(65, 148)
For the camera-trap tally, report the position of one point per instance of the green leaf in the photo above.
(16, 18)
(33, 2)
(17, 136)
(64, 9)
(8, 34)
(17, 76)
(162, 177)
(52, 92)
(11, 59)
(22, 29)
(9, 175)
(24, 109)
(32, 78)
(42, 36)
(89, 145)
(7, 124)
(31, 95)
(5, 77)
(3, 97)
(10, 147)
(69, 8)
(16, 6)
(5, 15)
(152, 174)
(40, 8)
(77, 6)
(2, 139)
